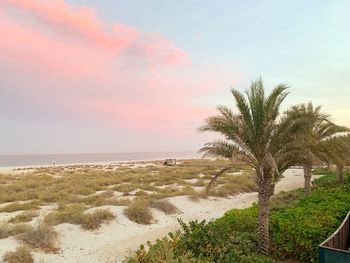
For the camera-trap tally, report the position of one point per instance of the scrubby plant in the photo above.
(74, 214)
(92, 221)
(7, 229)
(41, 237)
(139, 212)
(297, 231)
(65, 214)
(162, 251)
(19, 206)
(21, 255)
(165, 206)
(24, 217)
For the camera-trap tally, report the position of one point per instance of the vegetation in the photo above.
(24, 217)
(42, 237)
(21, 255)
(7, 230)
(165, 206)
(298, 225)
(139, 212)
(74, 214)
(253, 136)
(311, 138)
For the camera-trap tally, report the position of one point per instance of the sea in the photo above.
(15, 160)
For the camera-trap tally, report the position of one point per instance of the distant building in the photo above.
(170, 162)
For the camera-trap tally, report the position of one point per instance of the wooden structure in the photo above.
(335, 249)
(170, 162)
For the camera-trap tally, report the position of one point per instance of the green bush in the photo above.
(298, 224)
(299, 230)
(162, 251)
(331, 180)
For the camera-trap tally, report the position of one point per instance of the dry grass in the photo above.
(19, 206)
(7, 230)
(42, 237)
(165, 206)
(26, 216)
(66, 214)
(139, 212)
(74, 214)
(74, 188)
(94, 220)
(21, 255)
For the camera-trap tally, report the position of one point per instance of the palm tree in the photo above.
(251, 136)
(312, 132)
(338, 153)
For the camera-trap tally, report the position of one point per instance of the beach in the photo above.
(117, 239)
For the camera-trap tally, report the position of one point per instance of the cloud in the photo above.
(72, 63)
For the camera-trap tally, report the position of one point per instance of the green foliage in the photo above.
(298, 231)
(162, 251)
(223, 240)
(322, 171)
(298, 225)
(331, 180)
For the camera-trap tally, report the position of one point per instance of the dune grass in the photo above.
(139, 212)
(165, 206)
(42, 237)
(75, 189)
(21, 255)
(74, 214)
(25, 216)
(7, 230)
(19, 206)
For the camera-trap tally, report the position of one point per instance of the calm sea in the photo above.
(47, 159)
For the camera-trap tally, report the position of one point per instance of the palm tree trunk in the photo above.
(307, 178)
(263, 223)
(340, 174)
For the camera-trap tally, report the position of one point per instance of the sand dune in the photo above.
(114, 241)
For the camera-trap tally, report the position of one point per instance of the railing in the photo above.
(335, 249)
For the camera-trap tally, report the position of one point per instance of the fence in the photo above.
(335, 249)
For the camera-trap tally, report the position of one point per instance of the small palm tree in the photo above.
(312, 132)
(338, 153)
(251, 136)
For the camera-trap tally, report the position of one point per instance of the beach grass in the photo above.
(20, 255)
(74, 189)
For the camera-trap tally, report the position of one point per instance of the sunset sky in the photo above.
(83, 76)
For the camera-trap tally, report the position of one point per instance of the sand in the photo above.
(114, 241)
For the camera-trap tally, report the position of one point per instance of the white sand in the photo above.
(118, 239)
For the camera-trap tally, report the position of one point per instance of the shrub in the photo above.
(297, 231)
(331, 180)
(161, 251)
(139, 212)
(21, 255)
(7, 229)
(24, 217)
(65, 214)
(165, 206)
(92, 221)
(322, 171)
(19, 206)
(74, 214)
(42, 237)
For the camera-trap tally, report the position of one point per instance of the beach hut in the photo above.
(170, 162)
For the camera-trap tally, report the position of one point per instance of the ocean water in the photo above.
(47, 159)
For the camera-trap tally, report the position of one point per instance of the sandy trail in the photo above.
(118, 239)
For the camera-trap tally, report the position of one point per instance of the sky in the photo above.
(88, 76)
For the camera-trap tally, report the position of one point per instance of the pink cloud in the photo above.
(72, 61)
(82, 23)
